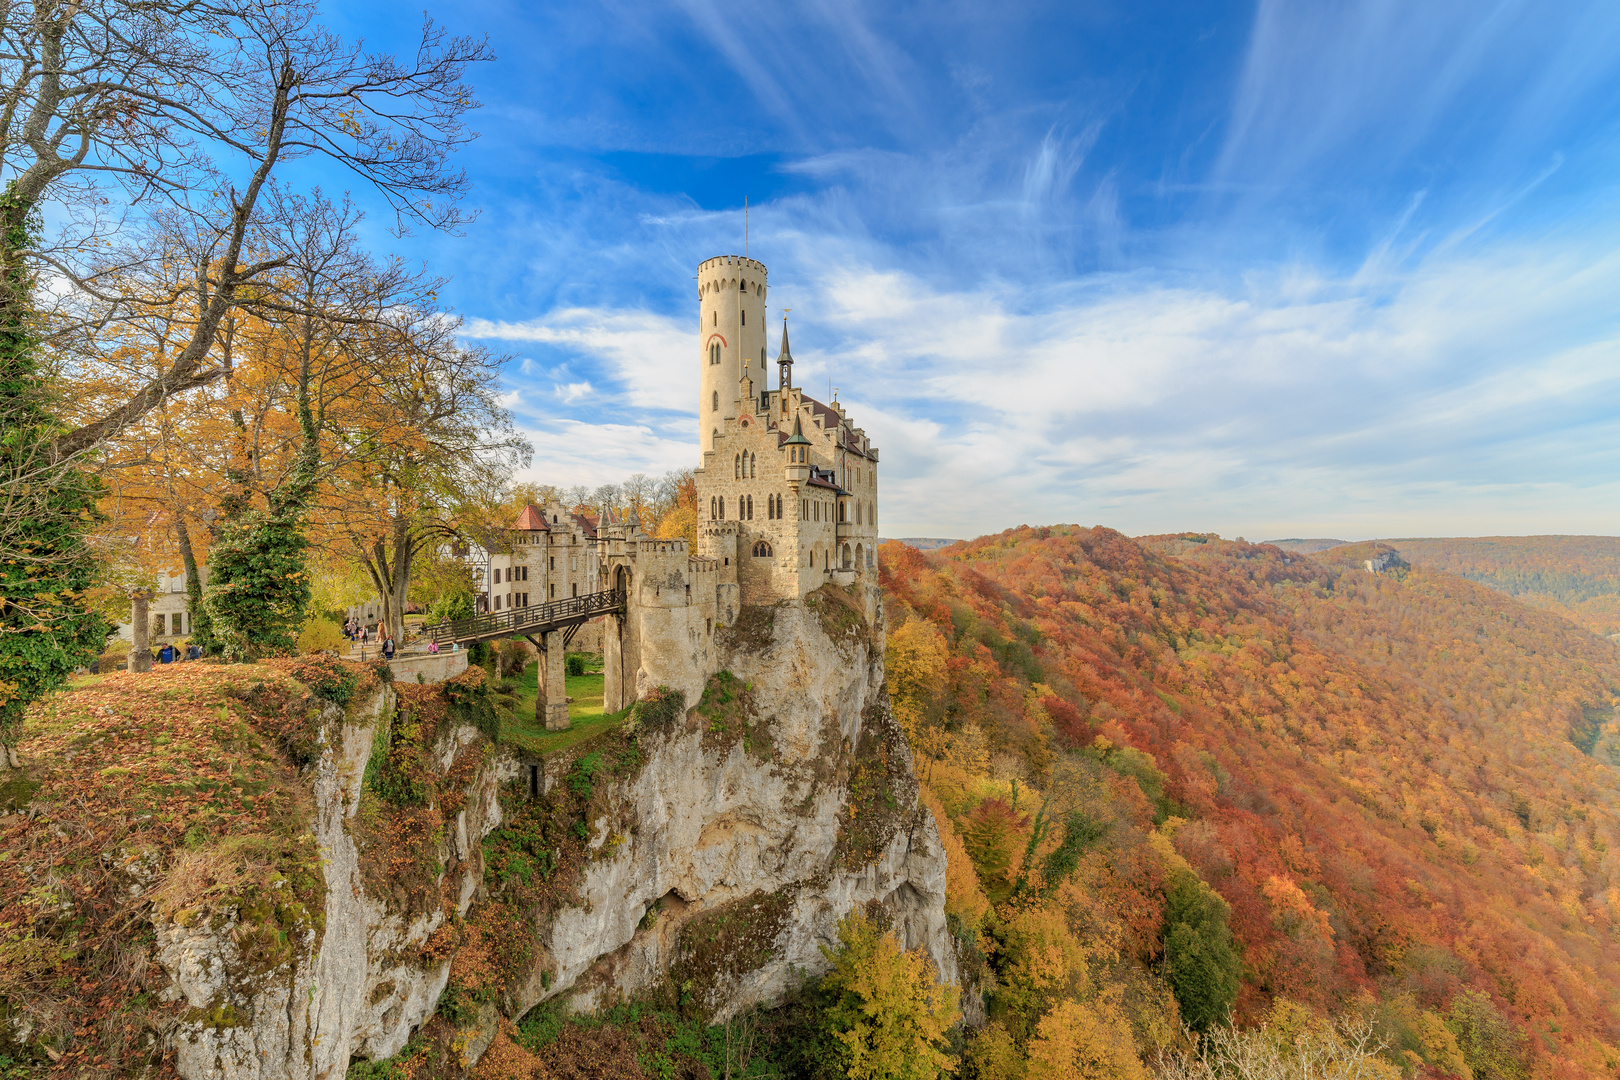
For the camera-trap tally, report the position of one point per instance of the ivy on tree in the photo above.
(47, 628)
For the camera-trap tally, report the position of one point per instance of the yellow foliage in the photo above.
(320, 635)
(679, 524)
(1043, 962)
(888, 1011)
(964, 897)
(1084, 1042)
(992, 1055)
(914, 661)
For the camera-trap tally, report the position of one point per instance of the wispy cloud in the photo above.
(1255, 268)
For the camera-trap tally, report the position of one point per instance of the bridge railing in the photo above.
(535, 617)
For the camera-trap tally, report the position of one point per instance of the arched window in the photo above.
(711, 507)
(848, 560)
(716, 436)
(762, 550)
(736, 466)
(714, 403)
(744, 315)
(714, 352)
(722, 508)
(753, 464)
(843, 511)
(742, 286)
(858, 509)
(750, 508)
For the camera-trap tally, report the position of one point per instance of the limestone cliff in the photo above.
(693, 853)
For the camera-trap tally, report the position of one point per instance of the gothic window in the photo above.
(744, 318)
(714, 404)
(736, 467)
(750, 508)
(762, 550)
(711, 507)
(751, 464)
(722, 508)
(714, 352)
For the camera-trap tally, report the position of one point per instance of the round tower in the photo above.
(731, 341)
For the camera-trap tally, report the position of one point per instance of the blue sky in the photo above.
(1279, 269)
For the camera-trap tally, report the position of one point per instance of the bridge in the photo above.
(533, 622)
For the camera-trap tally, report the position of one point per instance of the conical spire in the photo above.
(797, 438)
(784, 362)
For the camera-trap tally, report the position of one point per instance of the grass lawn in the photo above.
(584, 713)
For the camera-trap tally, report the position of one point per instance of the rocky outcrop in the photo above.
(715, 857)
(355, 983)
(743, 846)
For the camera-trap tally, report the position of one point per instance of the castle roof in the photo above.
(784, 356)
(586, 523)
(531, 520)
(797, 438)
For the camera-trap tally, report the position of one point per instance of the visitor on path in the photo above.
(166, 654)
(388, 647)
(193, 652)
(433, 646)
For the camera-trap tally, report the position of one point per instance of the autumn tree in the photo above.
(885, 1007)
(120, 111)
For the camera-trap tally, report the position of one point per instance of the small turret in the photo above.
(798, 449)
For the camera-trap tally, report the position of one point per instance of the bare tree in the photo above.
(121, 111)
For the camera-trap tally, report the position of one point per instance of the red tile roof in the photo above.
(530, 519)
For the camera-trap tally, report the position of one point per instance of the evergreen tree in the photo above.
(1200, 962)
(47, 628)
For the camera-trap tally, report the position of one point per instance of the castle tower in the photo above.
(731, 342)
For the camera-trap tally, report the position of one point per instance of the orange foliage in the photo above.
(1401, 784)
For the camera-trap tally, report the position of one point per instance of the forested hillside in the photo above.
(1187, 775)
(1576, 576)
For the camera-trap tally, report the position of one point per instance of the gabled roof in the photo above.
(531, 520)
(586, 523)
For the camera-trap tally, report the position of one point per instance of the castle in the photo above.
(787, 503)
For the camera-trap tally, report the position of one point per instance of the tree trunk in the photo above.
(140, 657)
(403, 543)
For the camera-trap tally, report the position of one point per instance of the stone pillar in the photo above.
(553, 687)
(140, 656)
(612, 664)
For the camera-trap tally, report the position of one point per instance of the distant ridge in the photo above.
(1306, 547)
(922, 543)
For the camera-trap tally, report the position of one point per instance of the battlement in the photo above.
(727, 264)
(660, 547)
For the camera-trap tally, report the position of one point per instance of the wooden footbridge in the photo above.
(533, 622)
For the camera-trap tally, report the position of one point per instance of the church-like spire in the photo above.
(797, 438)
(784, 361)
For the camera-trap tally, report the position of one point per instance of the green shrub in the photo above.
(574, 664)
